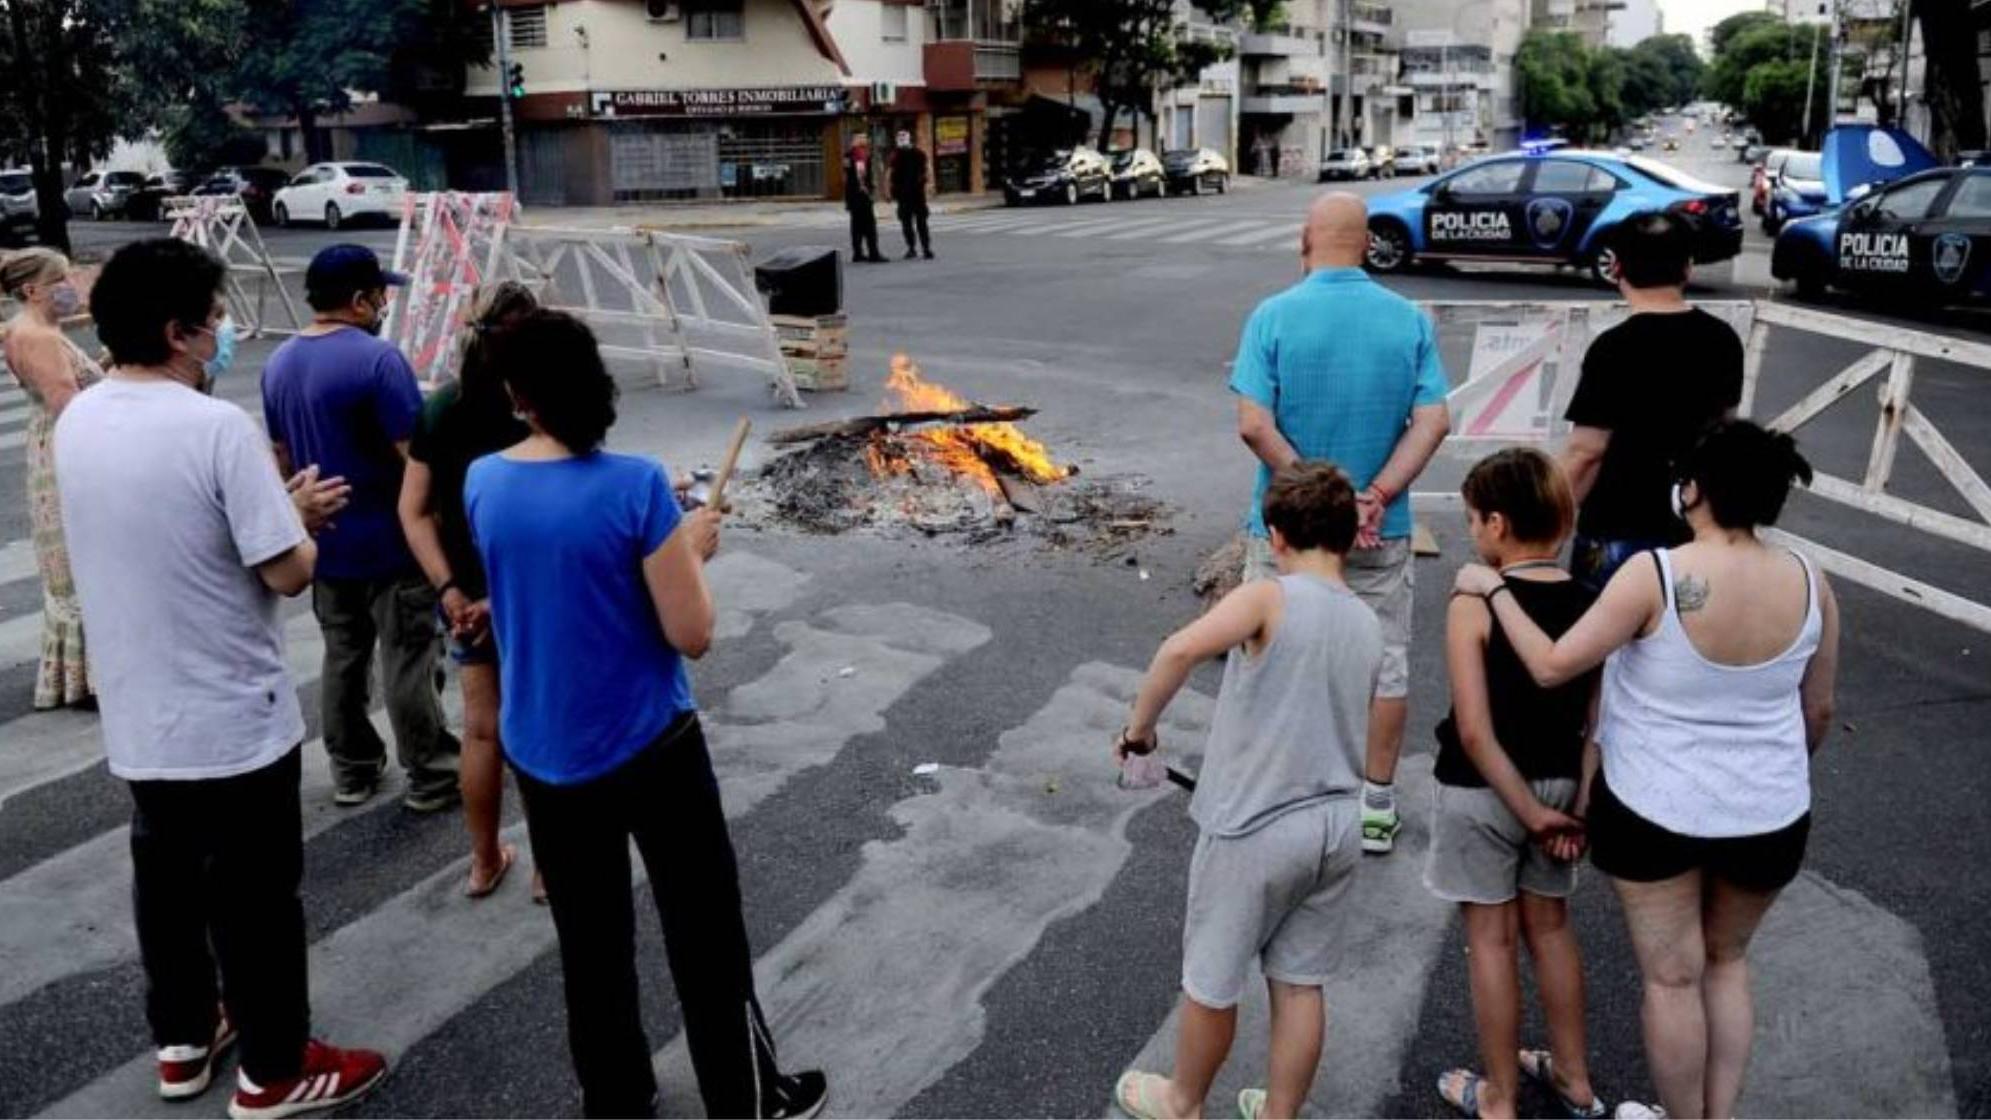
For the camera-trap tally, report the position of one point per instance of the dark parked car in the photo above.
(1063, 176)
(257, 187)
(1137, 172)
(18, 209)
(148, 202)
(1195, 170)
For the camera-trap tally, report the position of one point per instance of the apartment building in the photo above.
(1204, 113)
(1326, 78)
(634, 100)
(1458, 59)
(1589, 19)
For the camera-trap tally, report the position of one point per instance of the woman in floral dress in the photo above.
(51, 369)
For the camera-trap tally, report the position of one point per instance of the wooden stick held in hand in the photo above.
(726, 465)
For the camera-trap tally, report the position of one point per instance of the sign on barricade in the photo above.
(1525, 359)
(450, 243)
(676, 301)
(222, 225)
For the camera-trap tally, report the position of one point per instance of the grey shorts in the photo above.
(1381, 578)
(1480, 853)
(1269, 895)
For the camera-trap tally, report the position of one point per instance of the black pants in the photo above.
(215, 871)
(912, 219)
(864, 232)
(668, 799)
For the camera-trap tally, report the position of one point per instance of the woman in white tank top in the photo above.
(1719, 660)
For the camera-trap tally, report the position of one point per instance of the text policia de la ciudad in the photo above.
(1477, 225)
(1873, 252)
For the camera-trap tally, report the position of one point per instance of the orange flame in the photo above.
(959, 448)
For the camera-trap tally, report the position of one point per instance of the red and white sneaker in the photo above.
(331, 1077)
(184, 1071)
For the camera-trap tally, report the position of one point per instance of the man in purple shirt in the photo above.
(340, 397)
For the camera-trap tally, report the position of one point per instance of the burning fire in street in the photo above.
(973, 451)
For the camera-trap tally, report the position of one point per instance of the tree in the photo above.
(1725, 32)
(1648, 87)
(1552, 76)
(1130, 47)
(1775, 95)
(306, 58)
(1953, 87)
(1604, 79)
(1677, 59)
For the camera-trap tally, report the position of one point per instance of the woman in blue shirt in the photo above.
(598, 594)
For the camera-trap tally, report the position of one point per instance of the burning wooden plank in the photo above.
(859, 426)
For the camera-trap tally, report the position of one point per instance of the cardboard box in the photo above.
(820, 375)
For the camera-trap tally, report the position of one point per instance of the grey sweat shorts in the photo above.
(1480, 853)
(1382, 579)
(1270, 895)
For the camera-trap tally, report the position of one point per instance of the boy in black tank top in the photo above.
(1511, 756)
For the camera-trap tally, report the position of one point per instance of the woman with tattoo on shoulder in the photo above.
(1719, 658)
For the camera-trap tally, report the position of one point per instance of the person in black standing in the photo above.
(860, 186)
(909, 179)
(1650, 386)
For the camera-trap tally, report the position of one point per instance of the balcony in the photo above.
(963, 65)
(1371, 19)
(1284, 104)
(1261, 44)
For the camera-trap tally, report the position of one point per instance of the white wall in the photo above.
(858, 26)
(622, 47)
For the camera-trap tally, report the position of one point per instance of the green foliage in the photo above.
(1724, 33)
(1676, 58)
(1773, 97)
(1759, 43)
(1585, 94)
(1552, 78)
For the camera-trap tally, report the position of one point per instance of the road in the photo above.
(1002, 937)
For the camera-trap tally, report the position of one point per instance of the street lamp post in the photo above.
(505, 100)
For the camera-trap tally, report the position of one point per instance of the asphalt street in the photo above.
(1002, 937)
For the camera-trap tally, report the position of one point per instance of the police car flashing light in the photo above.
(1545, 204)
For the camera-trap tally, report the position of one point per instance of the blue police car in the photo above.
(1550, 207)
(1926, 236)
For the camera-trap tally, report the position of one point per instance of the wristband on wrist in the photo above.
(445, 588)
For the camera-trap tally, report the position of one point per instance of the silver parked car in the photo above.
(18, 210)
(102, 194)
(1417, 159)
(1346, 163)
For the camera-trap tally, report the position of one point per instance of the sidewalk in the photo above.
(725, 215)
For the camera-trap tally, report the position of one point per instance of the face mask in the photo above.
(1678, 498)
(377, 320)
(224, 351)
(64, 300)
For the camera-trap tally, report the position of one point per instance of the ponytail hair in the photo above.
(497, 307)
(1744, 472)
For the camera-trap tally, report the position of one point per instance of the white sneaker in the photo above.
(1633, 1110)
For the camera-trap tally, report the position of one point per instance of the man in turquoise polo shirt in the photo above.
(1338, 367)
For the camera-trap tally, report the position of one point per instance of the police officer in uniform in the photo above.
(909, 176)
(860, 185)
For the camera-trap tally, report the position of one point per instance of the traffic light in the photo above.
(515, 81)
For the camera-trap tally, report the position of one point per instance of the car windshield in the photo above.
(1668, 176)
(1180, 157)
(369, 171)
(1803, 165)
(1344, 153)
(124, 178)
(1122, 160)
(16, 182)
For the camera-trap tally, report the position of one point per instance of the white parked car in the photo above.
(1417, 159)
(336, 193)
(1346, 163)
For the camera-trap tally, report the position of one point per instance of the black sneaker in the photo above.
(912, 254)
(797, 1096)
(356, 792)
(929, 254)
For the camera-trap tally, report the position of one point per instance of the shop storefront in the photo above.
(719, 143)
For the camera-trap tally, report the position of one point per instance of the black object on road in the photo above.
(806, 280)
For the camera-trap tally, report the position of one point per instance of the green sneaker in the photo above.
(1379, 830)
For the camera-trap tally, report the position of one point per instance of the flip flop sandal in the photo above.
(1467, 1100)
(506, 856)
(1139, 1095)
(1250, 1104)
(1537, 1065)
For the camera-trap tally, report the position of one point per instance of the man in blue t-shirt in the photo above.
(1337, 367)
(339, 397)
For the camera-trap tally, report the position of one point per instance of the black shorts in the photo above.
(1626, 846)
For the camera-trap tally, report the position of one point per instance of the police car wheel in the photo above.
(1389, 248)
(1810, 285)
(1604, 267)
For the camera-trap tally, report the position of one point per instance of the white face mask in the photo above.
(1678, 498)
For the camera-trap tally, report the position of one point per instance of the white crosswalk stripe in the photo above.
(887, 983)
(1274, 231)
(1209, 232)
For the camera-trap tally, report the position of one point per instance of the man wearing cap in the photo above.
(860, 186)
(339, 397)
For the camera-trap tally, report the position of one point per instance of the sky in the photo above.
(1694, 17)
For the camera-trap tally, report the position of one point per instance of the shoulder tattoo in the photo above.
(1690, 592)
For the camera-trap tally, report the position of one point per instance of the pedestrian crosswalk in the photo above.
(887, 977)
(1211, 229)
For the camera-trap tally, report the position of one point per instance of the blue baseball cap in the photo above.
(340, 272)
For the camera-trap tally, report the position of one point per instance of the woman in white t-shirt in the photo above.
(1719, 661)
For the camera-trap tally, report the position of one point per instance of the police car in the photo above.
(1552, 207)
(1926, 236)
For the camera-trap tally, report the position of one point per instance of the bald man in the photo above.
(1338, 367)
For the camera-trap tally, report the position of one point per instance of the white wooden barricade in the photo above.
(676, 301)
(450, 243)
(1527, 358)
(222, 225)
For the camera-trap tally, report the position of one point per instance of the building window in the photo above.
(525, 27)
(716, 19)
(893, 17)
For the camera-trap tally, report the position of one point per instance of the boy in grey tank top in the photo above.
(1278, 800)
